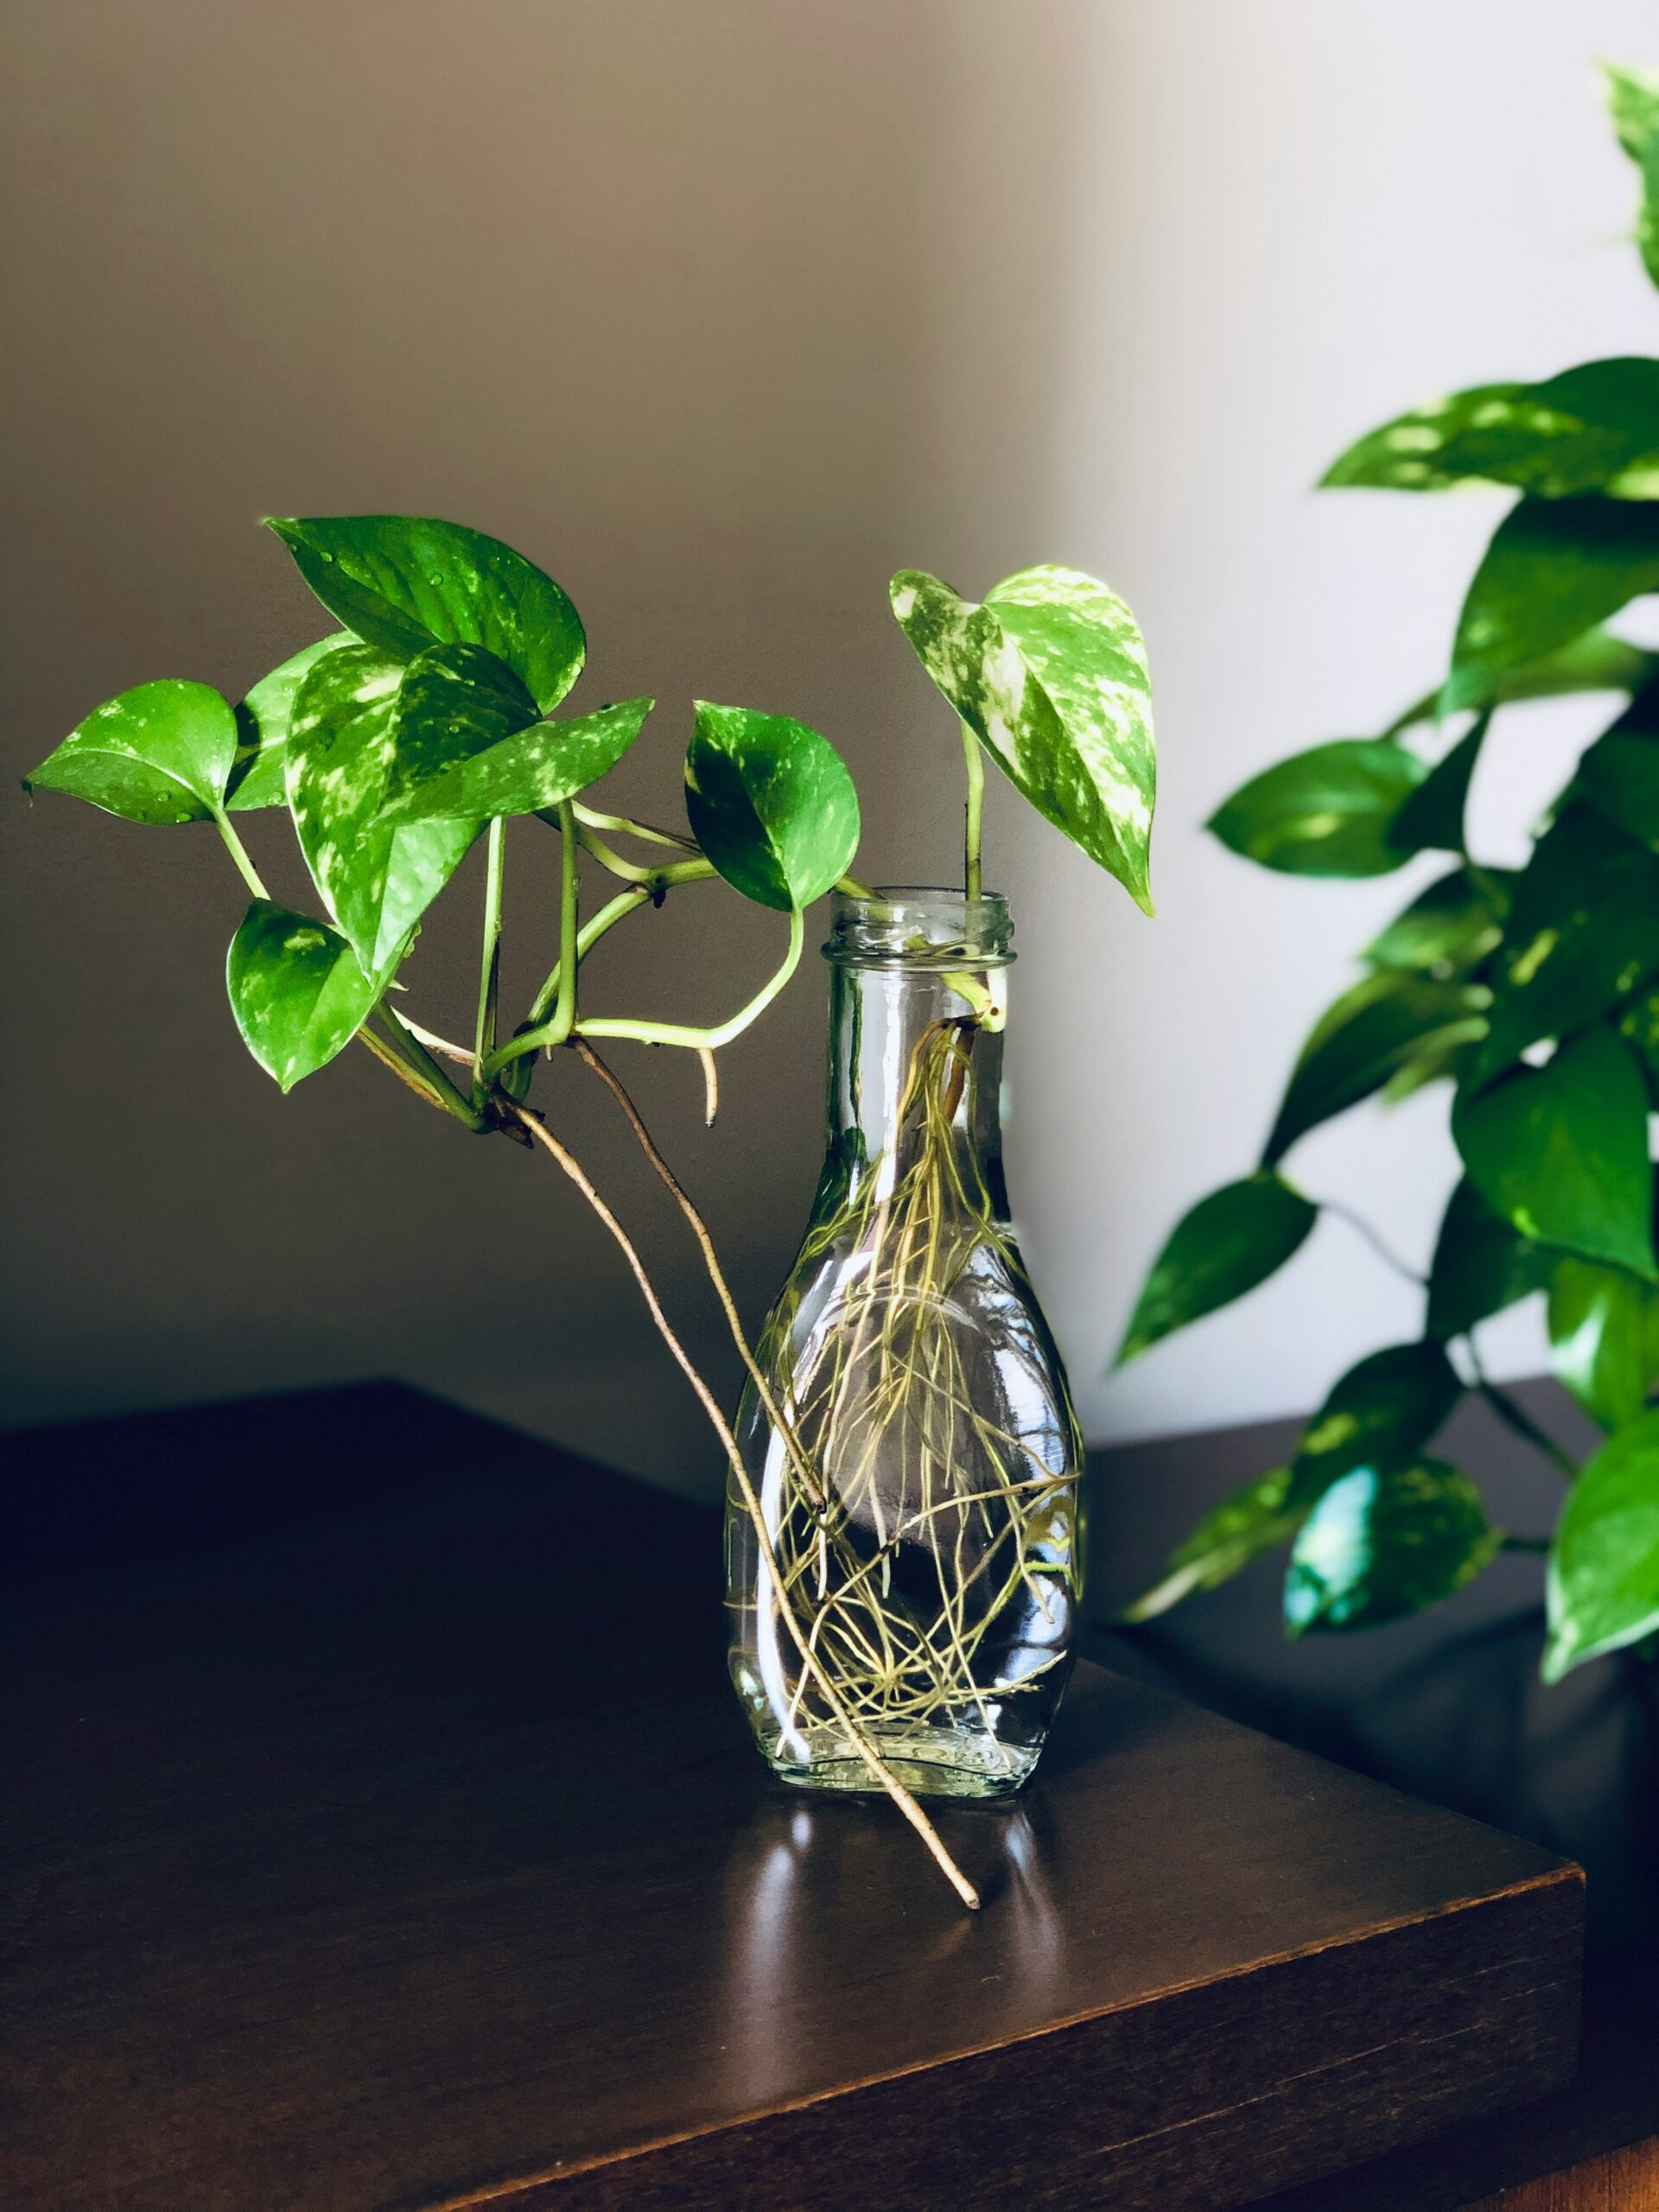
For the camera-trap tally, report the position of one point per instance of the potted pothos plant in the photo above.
(903, 1496)
(1532, 994)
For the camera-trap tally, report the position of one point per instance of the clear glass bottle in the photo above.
(915, 1456)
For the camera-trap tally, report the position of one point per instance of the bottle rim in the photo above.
(923, 927)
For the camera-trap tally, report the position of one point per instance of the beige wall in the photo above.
(722, 309)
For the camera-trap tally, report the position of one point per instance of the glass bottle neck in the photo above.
(917, 996)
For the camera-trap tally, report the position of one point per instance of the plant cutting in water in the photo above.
(426, 724)
(1534, 993)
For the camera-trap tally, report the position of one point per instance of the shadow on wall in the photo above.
(720, 313)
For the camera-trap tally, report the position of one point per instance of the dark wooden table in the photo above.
(381, 1833)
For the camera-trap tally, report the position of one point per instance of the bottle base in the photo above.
(930, 1762)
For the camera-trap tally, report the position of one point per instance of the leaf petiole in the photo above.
(490, 977)
(696, 1040)
(973, 813)
(239, 853)
(415, 1056)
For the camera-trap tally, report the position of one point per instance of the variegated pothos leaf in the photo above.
(1050, 673)
(377, 879)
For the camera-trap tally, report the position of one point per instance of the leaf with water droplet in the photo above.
(162, 753)
(377, 878)
(297, 991)
(405, 583)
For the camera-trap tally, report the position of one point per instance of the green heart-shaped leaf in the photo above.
(1431, 818)
(298, 992)
(162, 753)
(1554, 568)
(1050, 674)
(1591, 429)
(1633, 102)
(1448, 928)
(260, 776)
(530, 769)
(406, 583)
(1561, 1150)
(1326, 812)
(1604, 1338)
(1222, 1248)
(1603, 1588)
(1582, 934)
(1251, 1521)
(379, 878)
(1386, 1022)
(770, 804)
(1383, 1543)
(1380, 1413)
(1482, 1264)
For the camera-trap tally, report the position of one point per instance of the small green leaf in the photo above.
(1050, 674)
(162, 753)
(1431, 818)
(379, 878)
(1380, 1413)
(1582, 934)
(1604, 1338)
(1448, 928)
(1386, 1021)
(1552, 568)
(529, 770)
(1603, 1589)
(297, 991)
(1561, 1150)
(1633, 103)
(1251, 1521)
(770, 804)
(1383, 1543)
(1595, 660)
(406, 583)
(1591, 429)
(1326, 812)
(1409, 453)
(260, 776)
(1482, 1264)
(1226, 1244)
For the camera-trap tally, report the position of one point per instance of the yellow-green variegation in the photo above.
(379, 878)
(162, 752)
(1050, 674)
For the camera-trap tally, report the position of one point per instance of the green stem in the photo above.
(1362, 1227)
(489, 982)
(698, 1040)
(539, 1030)
(624, 825)
(973, 812)
(853, 888)
(614, 911)
(564, 1005)
(239, 853)
(1514, 1543)
(1515, 1416)
(415, 1055)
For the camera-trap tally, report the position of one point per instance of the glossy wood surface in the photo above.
(387, 1837)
